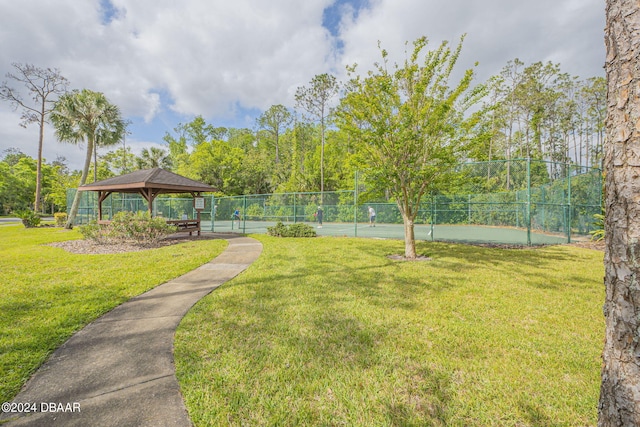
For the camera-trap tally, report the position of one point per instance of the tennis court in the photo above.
(454, 233)
(519, 202)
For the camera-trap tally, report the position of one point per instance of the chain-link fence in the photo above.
(514, 202)
(167, 207)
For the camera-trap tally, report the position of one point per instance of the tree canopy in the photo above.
(410, 125)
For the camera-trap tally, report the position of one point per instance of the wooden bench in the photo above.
(186, 225)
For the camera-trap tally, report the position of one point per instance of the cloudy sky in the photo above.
(165, 61)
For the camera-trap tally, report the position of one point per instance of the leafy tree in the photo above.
(218, 164)
(410, 124)
(620, 387)
(198, 131)
(83, 117)
(119, 161)
(256, 173)
(241, 138)
(60, 181)
(44, 86)
(315, 100)
(275, 120)
(18, 183)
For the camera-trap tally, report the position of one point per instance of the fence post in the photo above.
(244, 212)
(528, 219)
(433, 215)
(213, 212)
(355, 206)
(569, 205)
(295, 214)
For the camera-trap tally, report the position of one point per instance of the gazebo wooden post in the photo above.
(194, 195)
(148, 196)
(102, 195)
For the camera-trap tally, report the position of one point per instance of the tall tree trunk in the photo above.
(620, 388)
(83, 178)
(322, 159)
(409, 238)
(38, 200)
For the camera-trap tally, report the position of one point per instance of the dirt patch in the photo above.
(403, 258)
(89, 247)
(597, 246)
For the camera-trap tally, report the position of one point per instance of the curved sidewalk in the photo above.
(119, 370)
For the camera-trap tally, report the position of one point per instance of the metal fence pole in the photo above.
(244, 213)
(528, 219)
(433, 215)
(569, 205)
(355, 206)
(213, 212)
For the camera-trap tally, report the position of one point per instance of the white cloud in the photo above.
(163, 61)
(566, 31)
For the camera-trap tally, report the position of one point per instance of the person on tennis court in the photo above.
(372, 217)
(319, 216)
(236, 216)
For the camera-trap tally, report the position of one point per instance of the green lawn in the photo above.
(329, 331)
(48, 293)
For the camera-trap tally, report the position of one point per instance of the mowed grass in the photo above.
(329, 331)
(48, 293)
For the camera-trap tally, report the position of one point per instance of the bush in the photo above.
(293, 230)
(598, 233)
(29, 218)
(128, 227)
(94, 231)
(61, 219)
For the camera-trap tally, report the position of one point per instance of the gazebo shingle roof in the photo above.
(149, 183)
(160, 180)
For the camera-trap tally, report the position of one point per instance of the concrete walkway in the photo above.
(118, 370)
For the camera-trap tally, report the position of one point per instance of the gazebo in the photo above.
(150, 183)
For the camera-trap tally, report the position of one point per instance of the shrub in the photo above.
(293, 230)
(29, 218)
(128, 227)
(93, 231)
(598, 233)
(61, 218)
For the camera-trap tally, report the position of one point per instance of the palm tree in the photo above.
(86, 116)
(154, 157)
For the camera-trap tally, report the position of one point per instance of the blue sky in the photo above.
(164, 62)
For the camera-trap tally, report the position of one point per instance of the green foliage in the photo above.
(139, 228)
(598, 233)
(254, 212)
(29, 218)
(86, 116)
(218, 164)
(18, 182)
(292, 230)
(410, 124)
(61, 218)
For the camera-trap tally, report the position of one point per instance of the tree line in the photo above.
(527, 111)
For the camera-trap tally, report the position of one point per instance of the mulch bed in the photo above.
(89, 247)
